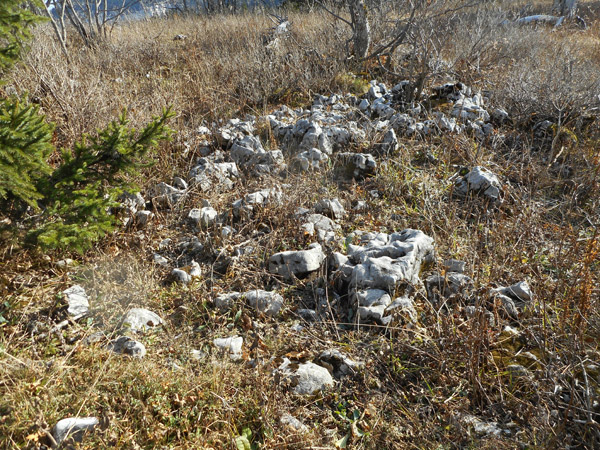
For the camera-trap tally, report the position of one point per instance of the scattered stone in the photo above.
(77, 300)
(127, 346)
(261, 198)
(454, 265)
(332, 208)
(389, 145)
(231, 345)
(324, 227)
(160, 260)
(479, 180)
(208, 174)
(307, 378)
(402, 309)
(181, 276)
(452, 283)
(165, 196)
(67, 262)
(140, 319)
(357, 165)
(482, 428)
(293, 423)
(519, 291)
(339, 364)
(142, 218)
(298, 264)
(74, 427)
(265, 302)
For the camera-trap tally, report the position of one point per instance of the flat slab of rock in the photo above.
(140, 319)
(298, 264)
(74, 427)
(77, 300)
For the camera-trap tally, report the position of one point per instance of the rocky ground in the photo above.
(358, 272)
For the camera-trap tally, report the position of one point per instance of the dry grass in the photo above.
(419, 381)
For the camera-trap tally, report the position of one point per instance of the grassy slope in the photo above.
(418, 381)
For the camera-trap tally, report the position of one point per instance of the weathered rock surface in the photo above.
(265, 302)
(77, 300)
(230, 345)
(127, 346)
(140, 319)
(298, 264)
(479, 181)
(308, 378)
(74, 427)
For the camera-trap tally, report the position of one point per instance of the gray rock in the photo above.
(479, 180)
(508, 305)
(500, 115)
(268, 303)
(482, 428)
(454, 265)
(208, 174)
(519, 291)
(331, 207)
(142, 218)
(336, 261)
(309, 378)
(389, 144)
(357, 165)
(293, 423)
(372, 297)
(261, 198)
(77, 300)
(140, 319)
(231, 345)
(403, 308)
(182, 276)
(310, 159)
(127, 346)
(387, 260)
(451, 284)
(226, 301)
(75, 427)
(300, 263)
(361, 205)
(339, 363)
(160, 260)
(165, 196)
(310, 315)
(373, 313)
(324, 227)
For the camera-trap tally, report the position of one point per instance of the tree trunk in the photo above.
(362, 30)
(565, 7)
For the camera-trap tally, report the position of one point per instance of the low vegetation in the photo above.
(446, 380)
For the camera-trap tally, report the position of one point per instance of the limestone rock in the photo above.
(74, 427)
(127, 346)
(299, 263)
(231, 345)
(268, 303)
(331, 207)
(479, 180)
(77, 300)
(140, 319)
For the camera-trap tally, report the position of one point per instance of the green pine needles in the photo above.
(82, 191)
(25, 145)
(73, 202)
